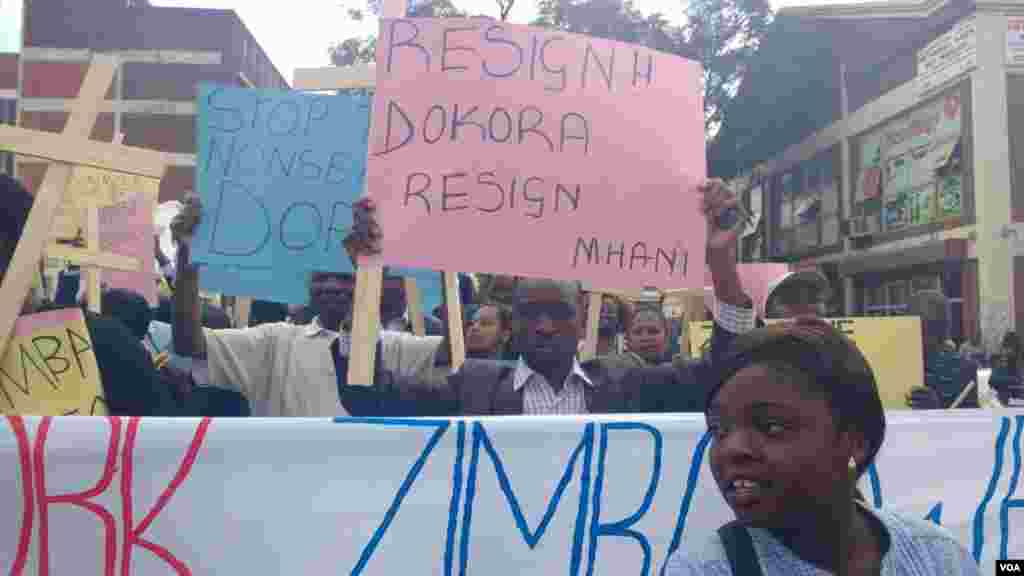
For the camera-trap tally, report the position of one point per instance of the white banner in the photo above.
(490, 496)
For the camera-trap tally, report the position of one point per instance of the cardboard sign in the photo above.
(755, 277)
(499, 148)
(897, 368)
(49, 368)
(497, 496)
(127, 229)
(277, 173)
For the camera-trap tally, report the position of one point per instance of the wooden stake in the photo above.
(365, 325)
(243, 307)
(93, 287)
(594, 302)
(453, 303)
(17, 280)
(413, 307)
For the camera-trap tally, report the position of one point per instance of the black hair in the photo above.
(130, 308)
(264, 312)
(15, 205)
(832, 363)
(214, 318)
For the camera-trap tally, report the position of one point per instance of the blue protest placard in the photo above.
(277, 172)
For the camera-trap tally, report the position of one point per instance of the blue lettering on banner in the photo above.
(453, 509)
(1010, 501)
(622, 527)
(691, 485)
(403, 490)
(480, 440)
(464, 487)
(997, 470)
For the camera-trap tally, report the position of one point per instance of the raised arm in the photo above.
(187, 327)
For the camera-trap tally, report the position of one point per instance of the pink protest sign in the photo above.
(508, 149)
(127, 229)
(755, 278)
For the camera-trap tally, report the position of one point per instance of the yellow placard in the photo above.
(101, 188)
(49, 368)
(892, 346)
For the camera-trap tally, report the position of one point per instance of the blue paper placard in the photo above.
(277, 172)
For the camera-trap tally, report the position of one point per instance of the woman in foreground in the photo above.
(796, 417)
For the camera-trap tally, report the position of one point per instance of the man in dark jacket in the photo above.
(548, 379)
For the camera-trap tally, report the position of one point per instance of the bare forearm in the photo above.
(726, 279)
(187, 327)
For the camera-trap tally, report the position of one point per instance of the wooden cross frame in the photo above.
(64, 150)
(366, 306)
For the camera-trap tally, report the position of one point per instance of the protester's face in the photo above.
(550, 327)
(485, 332)
(647, 336)
(331, 294)
(775, 452)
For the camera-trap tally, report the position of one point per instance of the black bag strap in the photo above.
(739, 547)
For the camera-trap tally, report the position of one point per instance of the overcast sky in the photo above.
(296, 33)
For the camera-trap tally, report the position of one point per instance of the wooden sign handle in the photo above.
(453, 304)
(365, 325)
(414, 307)
(589, 351)
(18, 279)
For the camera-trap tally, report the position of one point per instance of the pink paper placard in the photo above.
(509, 149)
(32, 323)
(755, 278)
(127, 229)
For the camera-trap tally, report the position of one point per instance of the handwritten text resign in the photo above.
(505, 132)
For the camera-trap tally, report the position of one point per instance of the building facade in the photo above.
(165, 52)
(916, 182)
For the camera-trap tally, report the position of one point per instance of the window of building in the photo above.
(909, 169)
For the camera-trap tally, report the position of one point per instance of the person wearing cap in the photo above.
(800, 293)
(289, 368)
(796, 418)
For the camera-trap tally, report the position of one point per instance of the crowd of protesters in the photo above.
(793, 407)
(522, 334)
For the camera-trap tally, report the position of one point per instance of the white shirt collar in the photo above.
(524, 373)
(315, 328)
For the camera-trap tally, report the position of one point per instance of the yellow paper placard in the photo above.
(49, 368)
(892, 346)
(102, 188)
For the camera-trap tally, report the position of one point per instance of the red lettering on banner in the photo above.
(133, 536)
(25, 460)
(80, 499)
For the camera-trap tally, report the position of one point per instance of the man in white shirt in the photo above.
(286, 368)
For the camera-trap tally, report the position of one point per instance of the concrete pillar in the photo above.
(991, 169)
(849, 296)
